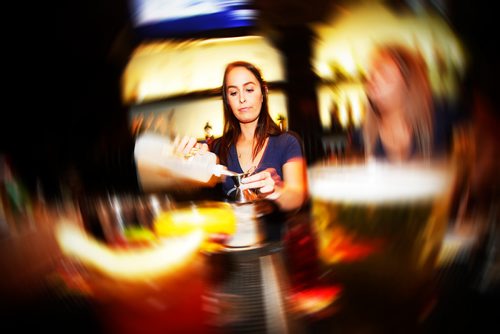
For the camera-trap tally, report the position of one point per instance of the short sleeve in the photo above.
(293, 147)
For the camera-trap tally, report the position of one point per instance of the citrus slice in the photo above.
(165, 256)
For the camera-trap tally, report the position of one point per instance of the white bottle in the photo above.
(158, 151)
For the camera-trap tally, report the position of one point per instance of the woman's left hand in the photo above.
(267, 182)
(187, 146)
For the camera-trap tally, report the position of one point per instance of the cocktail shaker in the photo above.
(242, 195)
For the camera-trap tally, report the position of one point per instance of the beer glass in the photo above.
(379, 228)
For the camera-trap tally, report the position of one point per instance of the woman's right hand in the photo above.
(187, 146)
(268, 182)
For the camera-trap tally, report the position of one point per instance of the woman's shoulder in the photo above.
(288, 137)
(288, 141)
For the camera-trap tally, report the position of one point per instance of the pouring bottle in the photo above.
(158, 151)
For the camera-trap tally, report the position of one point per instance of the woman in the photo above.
(253, 142)
(400, 123)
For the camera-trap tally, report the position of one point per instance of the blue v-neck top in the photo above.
(279, 150)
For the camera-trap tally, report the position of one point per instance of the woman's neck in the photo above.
(247, 131)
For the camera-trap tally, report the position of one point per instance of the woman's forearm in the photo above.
(288, 198)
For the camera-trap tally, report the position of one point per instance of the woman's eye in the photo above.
(250, 90)
(232, 93)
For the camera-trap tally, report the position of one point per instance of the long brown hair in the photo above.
(265, 124)
(418, 110)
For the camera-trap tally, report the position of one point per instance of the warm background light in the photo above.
(168, 68)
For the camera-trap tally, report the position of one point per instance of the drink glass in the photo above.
(379, 229)
(139, 281)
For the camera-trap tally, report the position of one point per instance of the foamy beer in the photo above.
(379, 227)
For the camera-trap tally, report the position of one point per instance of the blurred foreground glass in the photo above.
(379, 228)
(144, 279)
(309, 294)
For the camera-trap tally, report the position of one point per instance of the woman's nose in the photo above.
(242, 98)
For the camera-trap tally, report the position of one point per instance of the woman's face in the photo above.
(385, 80)
(244, 94)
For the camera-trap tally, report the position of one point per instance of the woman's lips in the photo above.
(244, 109)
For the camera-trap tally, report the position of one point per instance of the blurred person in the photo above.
(402, 122)
(253, 142)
